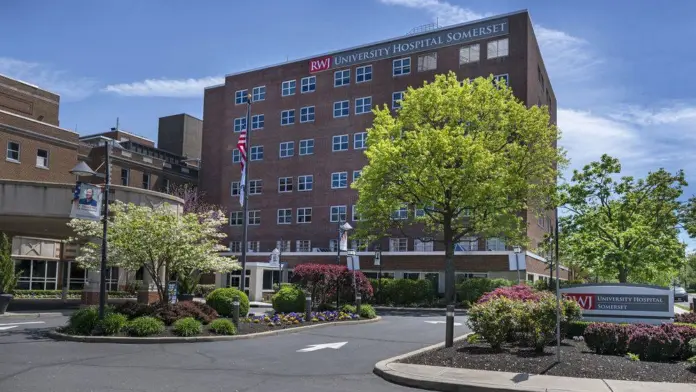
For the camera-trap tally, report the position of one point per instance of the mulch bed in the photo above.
(576, 361)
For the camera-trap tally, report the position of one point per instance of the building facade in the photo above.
(307, 140)
(36, 187)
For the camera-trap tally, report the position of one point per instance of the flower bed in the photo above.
(515, 331)
(186, 319)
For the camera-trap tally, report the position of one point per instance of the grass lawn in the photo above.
(685, 307)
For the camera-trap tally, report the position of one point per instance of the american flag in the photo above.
(242, 147)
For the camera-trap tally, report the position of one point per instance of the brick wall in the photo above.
(28, 100)
(31, 135)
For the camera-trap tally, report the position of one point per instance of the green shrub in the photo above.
(188, 326)
(473, 338)
(404, 291)
(222, 327)
(289, 299)
(608, 338)
(202, 290)
(633, 357)
(145, 326)
(221, 301)
(692, 346)
(466, 304)
(112, 324)
(692, 361)
(537, 321)
(348, 308)
(367, 311)
(83, 321)
(576, 328)
(472, 289)
(495, 320)
(134, 309)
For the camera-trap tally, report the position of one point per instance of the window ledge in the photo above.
(42, 167)
(12, 160)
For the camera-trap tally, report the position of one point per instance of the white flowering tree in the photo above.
(157, 239)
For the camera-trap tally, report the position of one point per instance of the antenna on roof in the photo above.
(425, 27)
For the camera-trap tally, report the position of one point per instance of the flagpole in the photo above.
(245, 189)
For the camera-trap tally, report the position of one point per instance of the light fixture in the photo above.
(346, 226)
(82, 170)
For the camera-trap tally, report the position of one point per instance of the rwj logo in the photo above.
(318, 65)
(586, 301)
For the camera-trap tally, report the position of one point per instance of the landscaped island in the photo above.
(514, 330)
(190, 318)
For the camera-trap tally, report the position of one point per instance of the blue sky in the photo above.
(621, 69)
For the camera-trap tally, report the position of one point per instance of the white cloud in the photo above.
(444, 12)
(173, 88)
(675, 114)
(565, 56)
(48, 78)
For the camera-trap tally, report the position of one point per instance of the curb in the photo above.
(382, 370)
(32, 315)
(416, 310)
(492, 381)
(195, 339)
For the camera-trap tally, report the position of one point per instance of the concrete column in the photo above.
(256, 284)
(90, 293)
(220, 279)
(147, 293)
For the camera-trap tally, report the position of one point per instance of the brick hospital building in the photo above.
(308, 131)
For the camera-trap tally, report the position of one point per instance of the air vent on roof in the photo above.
(424, 28)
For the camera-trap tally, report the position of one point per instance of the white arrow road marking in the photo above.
(315, 347)
(26, 322)
(441, 322)
(10, 327)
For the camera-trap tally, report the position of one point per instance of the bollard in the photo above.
(358, 302)
(449, 329)
(308, 308)
(235, 312)
(693, 304)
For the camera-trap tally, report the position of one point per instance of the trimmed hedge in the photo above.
(170, 313)
(367, 311)
(134, 309)
(685, 318)
(83, 321)
(649, 342)
(112, 324)
(403, 291)
(474, 288)
(145, 326)
(576, 328)
(72, 294)
(222, 327)
(221, 300)
(187, 326)
(288, 299)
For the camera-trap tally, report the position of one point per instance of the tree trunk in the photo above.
(449, 262)
(623, 274)
(165, 296)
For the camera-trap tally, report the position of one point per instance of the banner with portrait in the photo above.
(87, 202)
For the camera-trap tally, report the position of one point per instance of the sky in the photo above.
(620, 69)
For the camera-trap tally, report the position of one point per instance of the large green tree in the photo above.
(160, 240)
(468, 155)
(623, 227)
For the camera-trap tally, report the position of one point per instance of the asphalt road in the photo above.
(31, 362)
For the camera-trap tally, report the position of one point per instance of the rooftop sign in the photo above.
(406, 46)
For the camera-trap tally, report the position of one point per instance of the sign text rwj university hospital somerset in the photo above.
(434, 40)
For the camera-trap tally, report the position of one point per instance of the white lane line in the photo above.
(26, 322)
(5, 328)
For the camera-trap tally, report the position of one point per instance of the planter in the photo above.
(186, 297)
(4, 301)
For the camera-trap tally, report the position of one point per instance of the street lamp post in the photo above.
(82, 169)
(351, 254)
(378, 262)
(343, 228)
(517, 249)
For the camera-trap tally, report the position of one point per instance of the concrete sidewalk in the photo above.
(454, 379)
(8, 315)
